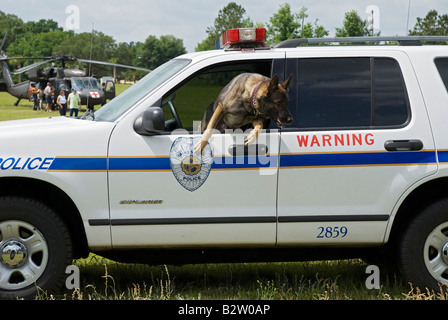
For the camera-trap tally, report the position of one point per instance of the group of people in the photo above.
(73, 101)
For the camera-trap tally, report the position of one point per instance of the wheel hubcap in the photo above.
(23, 254)
(14, 254)
(436, 253)
(444, 253)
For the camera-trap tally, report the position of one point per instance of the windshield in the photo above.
(84, 83)
(62, 85)
(119, 105)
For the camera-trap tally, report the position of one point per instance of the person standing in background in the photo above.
(62, 103)
(41, 97)
(33, 96)
(74, 101)
(48, 92)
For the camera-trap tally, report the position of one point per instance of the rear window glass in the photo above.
(341, 93)
(442, 66)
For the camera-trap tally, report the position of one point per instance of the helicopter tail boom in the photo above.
(7, 75)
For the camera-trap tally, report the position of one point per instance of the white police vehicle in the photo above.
(362, 171)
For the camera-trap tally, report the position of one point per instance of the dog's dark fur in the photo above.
(249, 98)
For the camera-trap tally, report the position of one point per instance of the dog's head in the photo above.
(275, 102)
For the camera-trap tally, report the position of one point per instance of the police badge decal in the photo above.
(190, 170)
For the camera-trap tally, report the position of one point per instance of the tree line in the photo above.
(45, 37)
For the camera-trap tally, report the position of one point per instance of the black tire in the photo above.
(33, 241)
(423, 253)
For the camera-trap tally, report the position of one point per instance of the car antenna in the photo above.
(88, 111)
(407, 22)
(91, 50)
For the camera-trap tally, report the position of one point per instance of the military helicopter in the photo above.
(61, 78)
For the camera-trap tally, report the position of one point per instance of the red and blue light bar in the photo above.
(242, 38)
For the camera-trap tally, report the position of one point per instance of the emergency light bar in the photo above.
(242, 38)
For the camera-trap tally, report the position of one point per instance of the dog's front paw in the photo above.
(199, 147)
(251, 138)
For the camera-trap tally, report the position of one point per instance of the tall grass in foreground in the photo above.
(102, 279)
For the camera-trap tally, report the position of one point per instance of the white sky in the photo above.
(135, 20)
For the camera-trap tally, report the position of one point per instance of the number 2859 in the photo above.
(332, 232)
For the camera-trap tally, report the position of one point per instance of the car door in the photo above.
(109, 89)
(361, 138)
(161, 194)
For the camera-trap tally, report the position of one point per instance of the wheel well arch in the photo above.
(54, 198)
(415, 202)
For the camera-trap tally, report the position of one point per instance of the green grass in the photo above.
(23, 111)
(25, 108)
(102, 279)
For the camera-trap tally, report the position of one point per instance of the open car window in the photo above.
(185, 105)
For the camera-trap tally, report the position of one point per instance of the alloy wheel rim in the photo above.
(23, 254)
(436, 253)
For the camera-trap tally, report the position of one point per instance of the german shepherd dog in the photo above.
(249, 98)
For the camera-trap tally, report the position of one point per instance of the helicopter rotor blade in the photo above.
(6, 58)
(63, 58)
(113, 64)
(31, 66)
(3, 42)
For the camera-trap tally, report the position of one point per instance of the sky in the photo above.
(134, 20)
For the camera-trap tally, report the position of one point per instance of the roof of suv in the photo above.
(341, 44)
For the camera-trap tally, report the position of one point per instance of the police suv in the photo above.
(361, 172)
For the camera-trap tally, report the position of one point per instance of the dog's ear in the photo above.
(287, 82)
(273, 84)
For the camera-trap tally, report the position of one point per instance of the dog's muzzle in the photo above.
(281, 123)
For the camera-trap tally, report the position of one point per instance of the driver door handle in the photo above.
(403, 145)
(250, 150)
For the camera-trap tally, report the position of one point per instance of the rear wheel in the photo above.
(35, 248)
(424, 248)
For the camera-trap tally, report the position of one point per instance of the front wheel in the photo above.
(35, 248)
(424, 248)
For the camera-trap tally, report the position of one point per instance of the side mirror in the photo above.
(150, 122)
